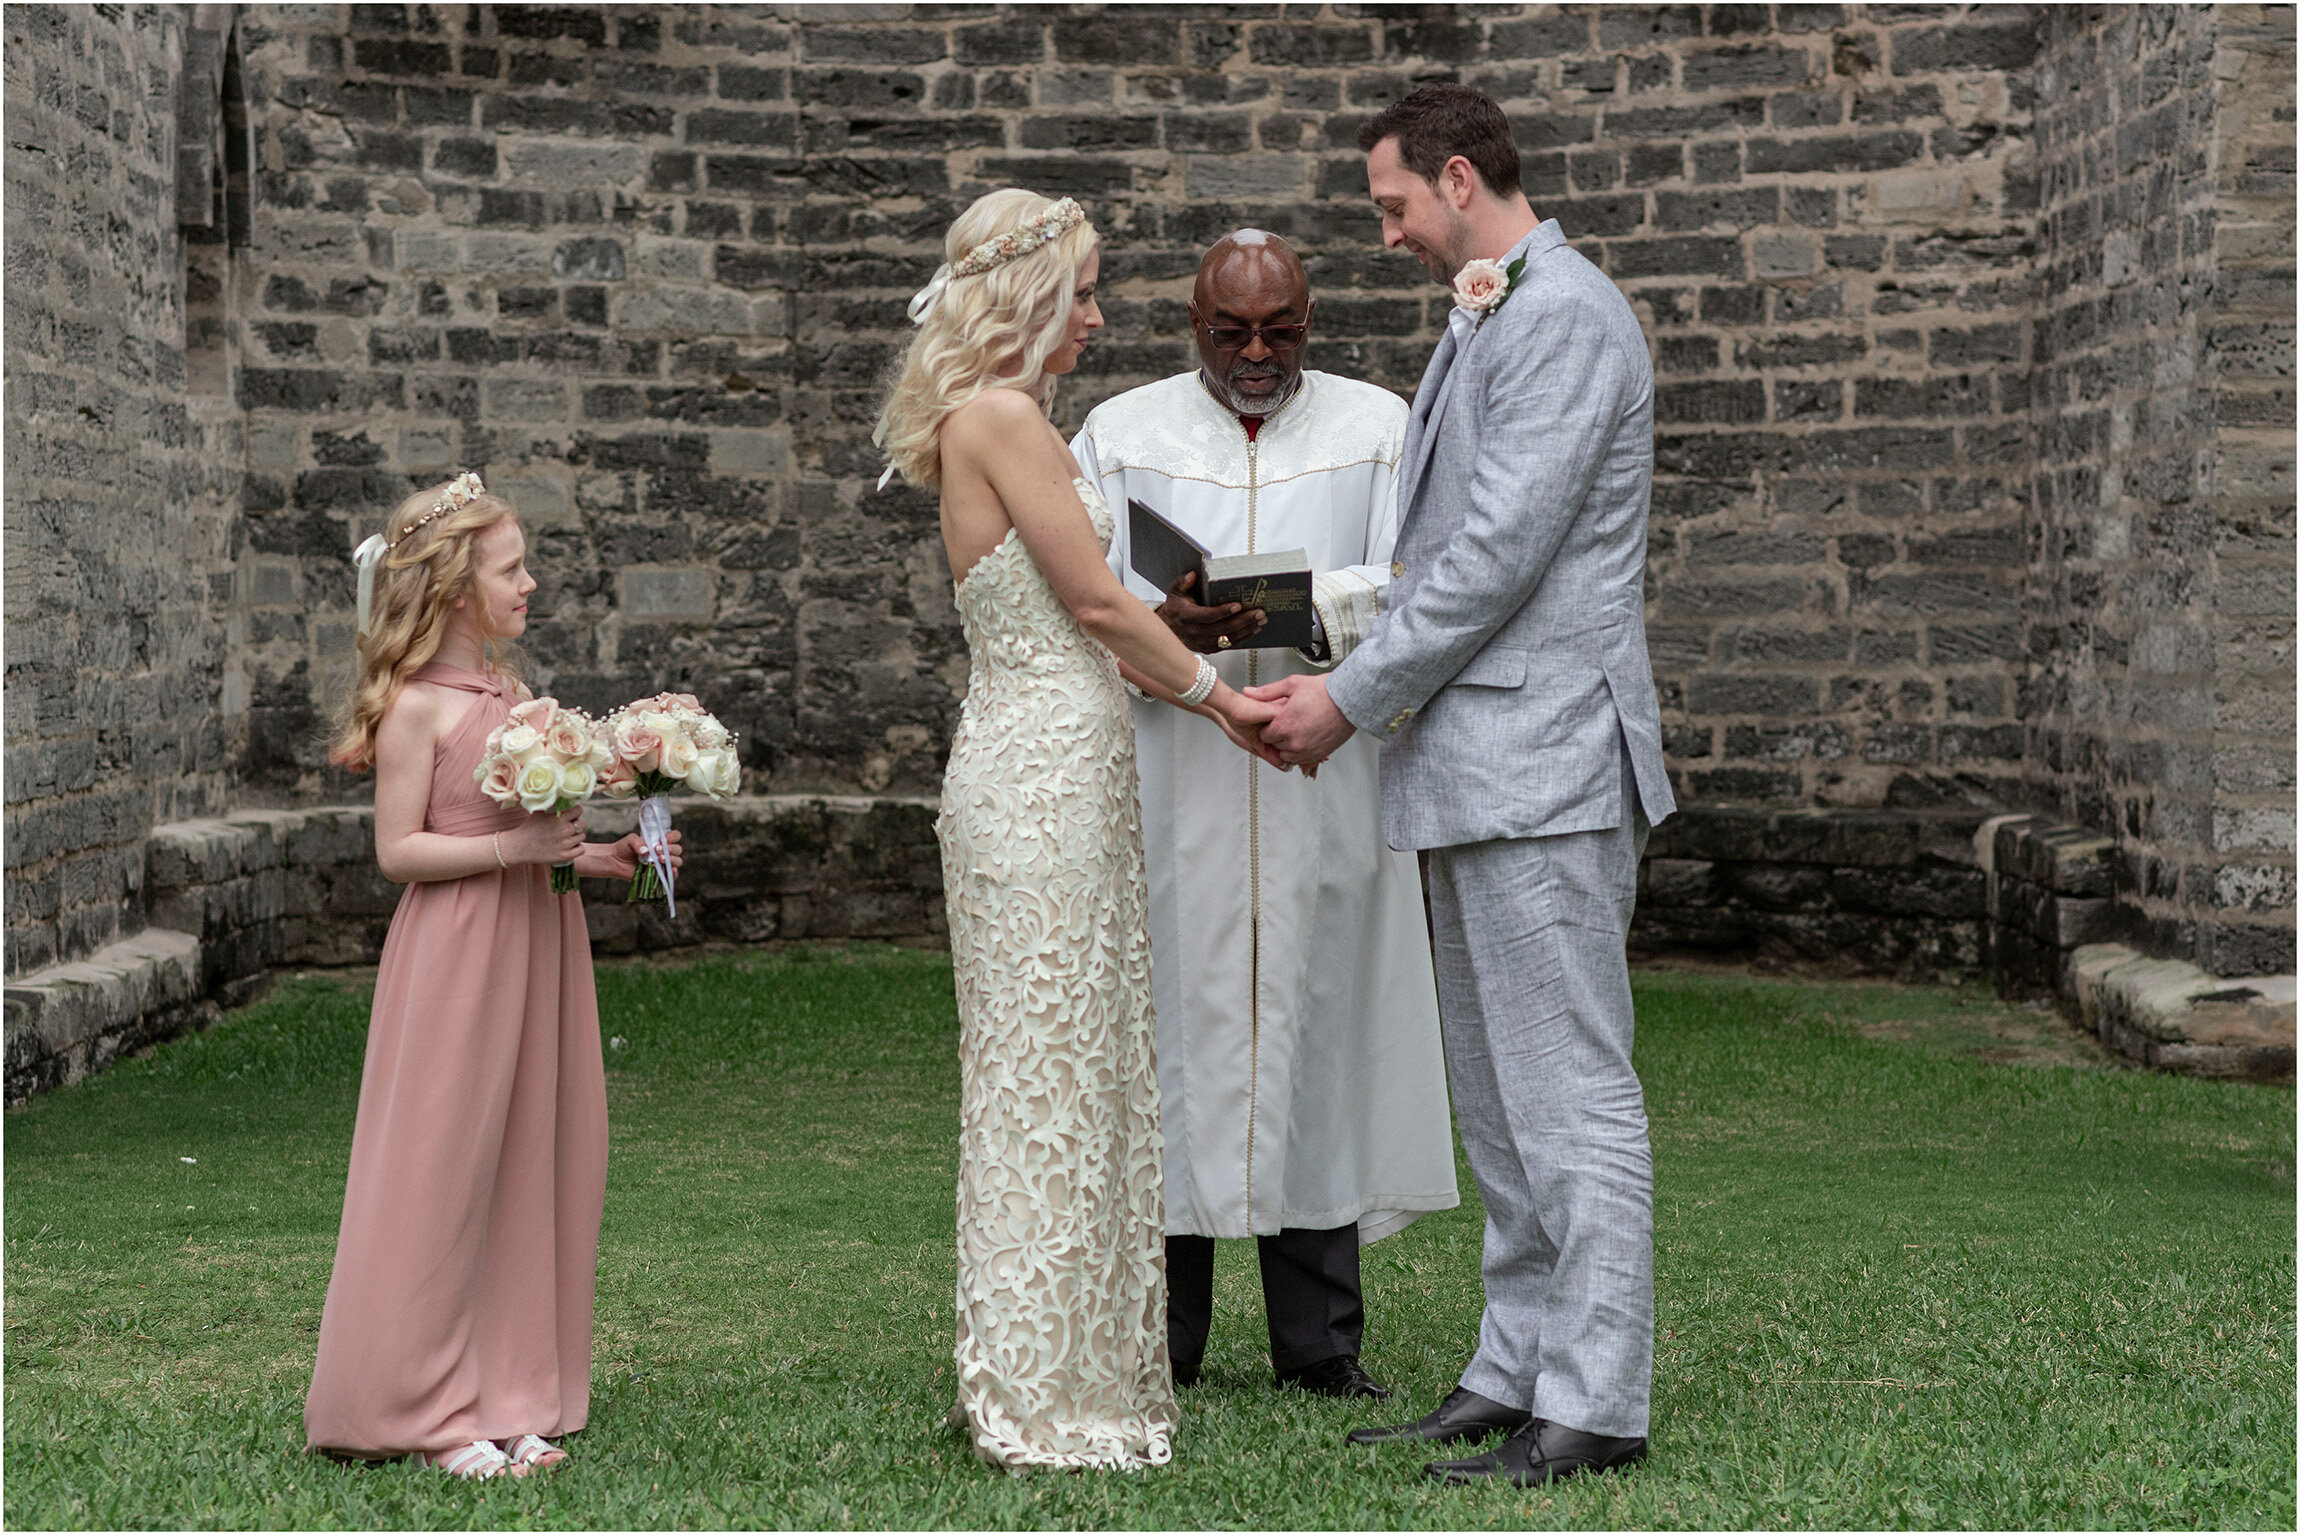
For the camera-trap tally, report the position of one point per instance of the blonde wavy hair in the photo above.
(990, 330)
(415, 591)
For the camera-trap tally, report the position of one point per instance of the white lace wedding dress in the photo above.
(1061, 1215)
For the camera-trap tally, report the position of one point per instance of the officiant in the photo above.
(1299, 1061)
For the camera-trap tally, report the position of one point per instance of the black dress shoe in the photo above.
(1185, 1375)
(1341, 1376)
(1542, 1452)
(1463, 1415)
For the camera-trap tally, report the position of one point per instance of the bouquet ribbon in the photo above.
(655, 837)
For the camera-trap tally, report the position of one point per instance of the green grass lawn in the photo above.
(1900, 1283)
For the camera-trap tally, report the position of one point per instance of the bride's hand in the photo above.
(1242, 719)
(1247, 738)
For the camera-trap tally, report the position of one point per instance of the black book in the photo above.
(1277, 582)
(1162, 553)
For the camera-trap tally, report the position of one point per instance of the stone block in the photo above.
(2172, 1016)
(2067, 860)
(682, 595)
(58, 1019)
(1246, 176)
(1678, 882)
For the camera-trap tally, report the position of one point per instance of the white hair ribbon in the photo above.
(367, 556)
(922, 302)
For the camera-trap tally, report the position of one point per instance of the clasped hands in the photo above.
(1287, 723)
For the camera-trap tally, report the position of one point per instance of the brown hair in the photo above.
(1438, 122)
(421, 575)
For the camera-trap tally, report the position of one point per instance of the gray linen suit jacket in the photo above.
(1509, 669)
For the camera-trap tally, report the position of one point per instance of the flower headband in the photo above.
(1015, 244)
(461, 492)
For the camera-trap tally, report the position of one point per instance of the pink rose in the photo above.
(535, 713)
(570, 742)
(502, 781)
(638, 745)
(620, 781)
(1480, 286)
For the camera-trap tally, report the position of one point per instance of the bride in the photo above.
(1061, 1222)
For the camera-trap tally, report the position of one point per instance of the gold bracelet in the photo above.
(499, 863)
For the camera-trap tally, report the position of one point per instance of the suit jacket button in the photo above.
(1397, 567)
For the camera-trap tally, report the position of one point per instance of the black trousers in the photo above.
(1310, 1293)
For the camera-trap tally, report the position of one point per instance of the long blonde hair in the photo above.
(415, 591)
(996, 328)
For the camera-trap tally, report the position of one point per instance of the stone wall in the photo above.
(646, 266)
(2160, 606)
(1971, 324)
(120, 477)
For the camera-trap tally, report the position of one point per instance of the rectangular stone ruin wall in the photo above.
(1922, 547)
(2160, 604)
(647, 266)
(120, 478)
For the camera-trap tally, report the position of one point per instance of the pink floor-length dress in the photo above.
(460, 1307)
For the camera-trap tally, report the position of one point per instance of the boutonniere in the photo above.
(1481, 285)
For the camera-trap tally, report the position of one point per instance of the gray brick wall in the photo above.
(2160, 604)
(118, 479)
(647, 266)
(1919, 541)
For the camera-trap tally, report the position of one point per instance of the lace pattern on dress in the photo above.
(1061, 1215)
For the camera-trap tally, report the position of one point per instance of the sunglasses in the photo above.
(1236, 338)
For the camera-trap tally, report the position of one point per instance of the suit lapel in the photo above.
(1421, 422)
(1420, 445)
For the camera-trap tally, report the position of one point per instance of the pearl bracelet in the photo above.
(1203, 688)
(499, 863)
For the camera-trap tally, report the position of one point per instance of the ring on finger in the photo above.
(1222, 642)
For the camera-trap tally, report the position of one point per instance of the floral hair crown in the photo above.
(1015, 244)
(461, 492)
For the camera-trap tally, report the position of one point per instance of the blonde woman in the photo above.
(1061, 1224)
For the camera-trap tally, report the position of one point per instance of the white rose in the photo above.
(726, 777)
(520, 741)
(710, 734)
(578, 780)
(539, 784)
(678, 758)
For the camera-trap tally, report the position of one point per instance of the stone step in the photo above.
(2170, 1015)
(69, 1020)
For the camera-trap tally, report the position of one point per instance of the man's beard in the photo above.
(1245, 404)
(1446, 263)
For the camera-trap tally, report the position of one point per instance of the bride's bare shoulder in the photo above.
(995, 418)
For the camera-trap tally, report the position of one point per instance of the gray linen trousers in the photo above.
(1511, 685)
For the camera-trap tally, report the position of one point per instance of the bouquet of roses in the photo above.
(544, 758)
(654, 745)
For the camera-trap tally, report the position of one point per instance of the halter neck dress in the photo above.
(460, 1306)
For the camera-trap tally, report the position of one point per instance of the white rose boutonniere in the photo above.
(1482, 285)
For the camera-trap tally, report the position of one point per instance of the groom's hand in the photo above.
(1308, 729)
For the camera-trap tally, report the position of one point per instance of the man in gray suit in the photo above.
(1509, 680)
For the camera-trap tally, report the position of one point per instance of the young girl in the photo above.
(458, 1320)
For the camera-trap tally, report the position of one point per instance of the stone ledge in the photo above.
(1893, 892)
(2168, 1014)
(232, 897)
(69, 1020)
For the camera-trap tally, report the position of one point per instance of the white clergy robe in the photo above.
(1300, 1067)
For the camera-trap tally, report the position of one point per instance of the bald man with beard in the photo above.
(1299, 1061)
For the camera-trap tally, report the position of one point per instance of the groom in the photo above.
(1509, 682)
